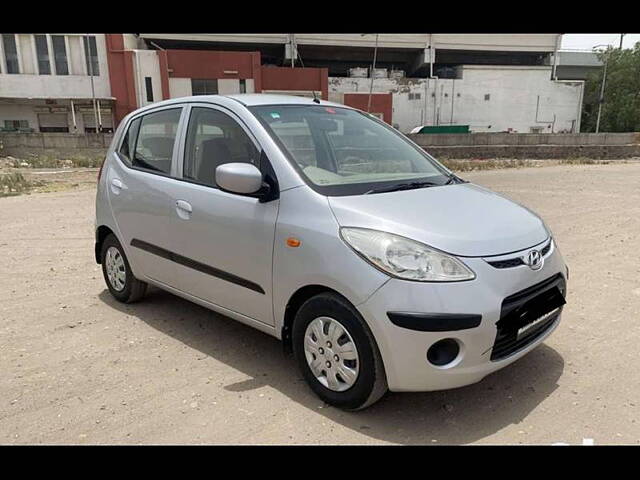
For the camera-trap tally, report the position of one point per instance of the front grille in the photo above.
(512, 262)
(517, 261)
(546, 249)
(522, 309)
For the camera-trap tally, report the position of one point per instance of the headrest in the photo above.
(215, 152)
(161, 147)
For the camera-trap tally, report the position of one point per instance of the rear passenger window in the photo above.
(213, 139)
(157, 134)
(129, 141)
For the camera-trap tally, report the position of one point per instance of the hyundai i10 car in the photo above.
(319, 224)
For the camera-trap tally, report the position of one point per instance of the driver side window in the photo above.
(213, 139)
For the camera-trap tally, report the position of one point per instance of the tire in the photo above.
(129, 289)
(370, 384)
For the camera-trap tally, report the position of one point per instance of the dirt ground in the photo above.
(77, 367)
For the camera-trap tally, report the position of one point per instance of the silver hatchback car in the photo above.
(326, 228)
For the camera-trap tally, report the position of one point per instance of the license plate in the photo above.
(542, 318)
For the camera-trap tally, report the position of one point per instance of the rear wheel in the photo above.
(117, 273)
(337, 354)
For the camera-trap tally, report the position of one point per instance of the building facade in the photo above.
(48, 83)
(492, 82)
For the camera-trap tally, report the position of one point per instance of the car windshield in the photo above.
(341, 151)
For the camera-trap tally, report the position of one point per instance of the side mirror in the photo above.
(243, 178)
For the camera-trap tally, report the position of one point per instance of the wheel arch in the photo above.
(293, 305)
(101, 233)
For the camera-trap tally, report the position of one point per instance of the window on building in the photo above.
(243, 85)
(10, 52)
(91, 55)
(204, 87)
(149, 88)
(157, 134)
(213, 139)
(105, 119)
(60, 55)
(53, 122)
(129, 141)
(13, 125)
(42, 53)
(487, 96)
(448, 71)
(414, 96)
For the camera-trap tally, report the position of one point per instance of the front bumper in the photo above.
(404, 351)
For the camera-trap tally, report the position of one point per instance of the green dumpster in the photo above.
(444, 129)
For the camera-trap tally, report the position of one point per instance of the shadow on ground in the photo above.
(451, 417)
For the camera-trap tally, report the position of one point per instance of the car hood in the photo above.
(462, 219)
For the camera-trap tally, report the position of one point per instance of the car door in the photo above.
(142, 188)
(226, 239)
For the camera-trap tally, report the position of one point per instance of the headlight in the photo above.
(404, 258)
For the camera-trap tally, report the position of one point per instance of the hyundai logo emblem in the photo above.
(534, 260)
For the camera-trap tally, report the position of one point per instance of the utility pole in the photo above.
(293, 49)
(601, 99)
(375, 54)
(621, 37)
(87, 45)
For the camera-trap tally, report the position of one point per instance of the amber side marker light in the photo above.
(293, 242)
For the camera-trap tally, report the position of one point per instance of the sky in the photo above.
(586, 41)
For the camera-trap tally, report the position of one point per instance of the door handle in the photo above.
(117, 185)
(184, 209)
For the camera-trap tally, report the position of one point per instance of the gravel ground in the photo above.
(77, 367)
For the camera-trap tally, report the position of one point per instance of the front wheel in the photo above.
(337, 353)
(117, 273)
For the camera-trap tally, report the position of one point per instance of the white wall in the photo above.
(130, 41)
(532, 42)
(513, 94)
(228, 86)
(26, 54)
(146, 64)
(19, 112)
(77, 84)
(179, 87)
(75, 56)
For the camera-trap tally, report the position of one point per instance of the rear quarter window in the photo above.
(129, 141)
(156, 139)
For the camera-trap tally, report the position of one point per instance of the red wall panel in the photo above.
(164, 73)
(380, 103)
(207, 64)
(121, 77)
(286, 78)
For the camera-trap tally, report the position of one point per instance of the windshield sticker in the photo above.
(330, 110)
(275, 115)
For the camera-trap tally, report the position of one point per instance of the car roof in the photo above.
(252, 99)
(246, 99)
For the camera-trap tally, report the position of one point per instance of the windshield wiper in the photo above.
(453, 178)
(403, 186)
